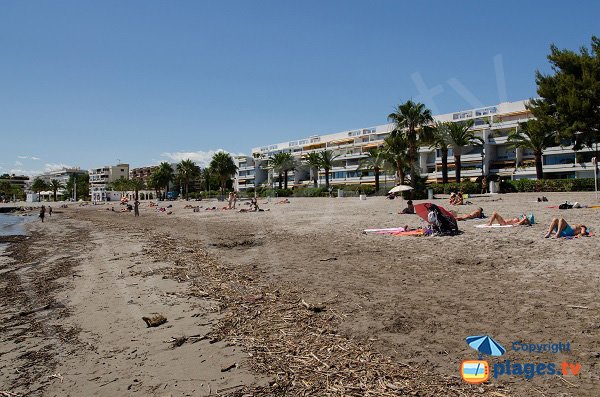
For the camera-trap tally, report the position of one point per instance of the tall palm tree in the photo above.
(55, 185)
(439, 138)
(395, 146)
(38, 185)
(409, 118)
(375, 162)
(327, 163)
(223, 165)
(460, 137)
(187, 171)
(282, 163)
(164, 176)
(535, 136)
(313, 161)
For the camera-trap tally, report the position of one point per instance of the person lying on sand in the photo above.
(477, 214)
(410, 208)
(562, 229)
(521, 220)
(285, 201)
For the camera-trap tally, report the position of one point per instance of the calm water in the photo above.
(12, 224)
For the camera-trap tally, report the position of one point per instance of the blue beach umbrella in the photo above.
(486, 345)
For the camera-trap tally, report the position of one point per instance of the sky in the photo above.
(90, 83)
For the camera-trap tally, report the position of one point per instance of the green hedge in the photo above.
(547, 185)
(467, 187)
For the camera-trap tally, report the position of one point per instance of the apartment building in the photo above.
(101, 177)
(142, 173)
(494, 157)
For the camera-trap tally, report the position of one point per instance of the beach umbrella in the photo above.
(486, 345)
(423, 210)
(400, 188)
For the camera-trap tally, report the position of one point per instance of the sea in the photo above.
(11, 225)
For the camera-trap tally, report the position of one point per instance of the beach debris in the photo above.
(178, 341)
(155, 321)
(8, 394)
(333, 258)
(313, 308)
(57, 376)
(228, 367)
(49, 306)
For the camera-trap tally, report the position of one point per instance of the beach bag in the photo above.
(565, 206)
(440, 222)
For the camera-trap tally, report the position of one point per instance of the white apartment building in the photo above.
(495, 157)
(101, 177)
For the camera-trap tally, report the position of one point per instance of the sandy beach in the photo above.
(294, 301)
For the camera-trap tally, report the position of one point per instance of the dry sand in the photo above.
(410, 299)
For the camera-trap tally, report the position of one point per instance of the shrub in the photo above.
(547, 185)
(467, 187)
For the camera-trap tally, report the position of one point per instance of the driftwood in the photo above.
(155, 321)
(42, 308)
(228, 367)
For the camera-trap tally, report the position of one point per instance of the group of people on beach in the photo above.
(43, 212)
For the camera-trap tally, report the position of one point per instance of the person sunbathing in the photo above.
(410, 208)
(562, 229)
(521, 220)
(478, 213)
(285, 201)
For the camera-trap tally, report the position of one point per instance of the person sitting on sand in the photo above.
(284, 201)
(562, 229)
(452, 198)
(458, 200)
(521, 220)
(410, 208)
(478, 213)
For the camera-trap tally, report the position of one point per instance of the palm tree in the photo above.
(223, 165)
(164, 175)
(460, 137)
(327, 163)
(409, 118)
(439, 138)
(120, 185)
(313, 161)
(55, 185)
(153, 183)
(187, 171)
(375, 162)
(282, 163)
(38, 185)
(395, 147)
(136, 184)
(535, 136)
(205, 176)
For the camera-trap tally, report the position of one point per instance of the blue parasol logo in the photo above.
(485, 345)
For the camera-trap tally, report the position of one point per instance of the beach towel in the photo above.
(383, 231)
(418, 232)
(494, 225)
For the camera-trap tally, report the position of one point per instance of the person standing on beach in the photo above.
(136, 208)
(484, 183)
(49, 211)
(42, 213)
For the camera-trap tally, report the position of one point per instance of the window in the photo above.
(558, 159)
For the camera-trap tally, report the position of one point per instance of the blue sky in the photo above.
(87, 83)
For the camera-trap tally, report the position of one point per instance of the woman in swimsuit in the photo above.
(496, 218)
(562, 229)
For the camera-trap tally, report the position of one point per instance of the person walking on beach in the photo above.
(136, 208)
(49, 211)
(42, 213)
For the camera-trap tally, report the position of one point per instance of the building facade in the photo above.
(101, 177)
(495, 157)
(142, 173)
